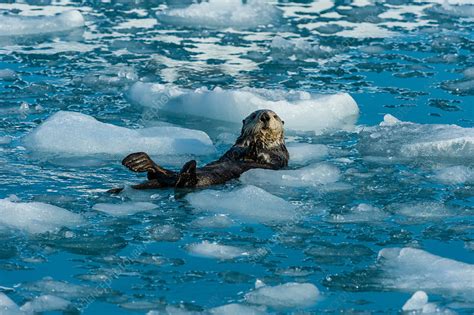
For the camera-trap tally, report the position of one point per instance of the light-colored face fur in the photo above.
(263, 127)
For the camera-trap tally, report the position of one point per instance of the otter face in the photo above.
(263, 126)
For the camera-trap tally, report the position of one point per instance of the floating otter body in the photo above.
(261, 144)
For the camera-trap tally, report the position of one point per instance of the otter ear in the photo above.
(243, 121)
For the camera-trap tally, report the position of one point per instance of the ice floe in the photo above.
(418, 304)
(248, 203)
(300, 110)
(302, 153)
(422, 210)
(411, 269)
(214, 250)
(298, 48)
(310, 176)
(396, 139)
(215, 221)
(36, 217)
(458, 174)
(222, 14)
(360, 213)
(236, 309)
(71, 133)
(65, 290)
(11, 25)
(8, 74)
(45, 303)
(284, 296)
(124, 209)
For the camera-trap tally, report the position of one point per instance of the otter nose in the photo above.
(265, 117)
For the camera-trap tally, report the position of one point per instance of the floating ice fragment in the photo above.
(70, 133)
(300, 48)
(416, 302)
(223, 14)
(249, 203)
(361, 213)
(215, 221)
(7, 306)
(301, 153)
(455, 175)
(36, 217)
(411, 269)
(236, 309)
(11, 25)
(284, 296)
(409, 140)
(5, 140)
(214, 250)
(65, 290)
(300, 110)
(8, 74)
(45, 303)
(310, 176)
(123, 209)
(422, 209)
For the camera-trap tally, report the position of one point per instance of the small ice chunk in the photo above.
(310, 176)
(215, 221)
(36, 217)
(65, 290)
(300, 110)
(249, 203)
(71, 133)
(45, 303)
(301, 153)
(223, 14)
(389, 120)
(236, 309)
(455, 175)
(8, 74)
(15, 25)
(284, 296)
(7, 306)
(300, 48)
(5, 140)
(411, 269)
(417, 301)
(422, 209)
(360, 213)
(123, 209)
(165, 233)
(214, 250)
(409, 140)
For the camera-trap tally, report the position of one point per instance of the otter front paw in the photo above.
(263, 158)
(139, 162)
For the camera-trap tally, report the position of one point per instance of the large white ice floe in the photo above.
(248, 203)
(124, 209)
(36, 217)
(300, 110)
(411, 269)
(221, 14)
(397, 139)
(76, 134)
(284, 296)
(302, 153)
(15, 25)
(218, 251)
(310, 176)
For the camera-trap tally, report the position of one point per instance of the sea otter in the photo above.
(261, 144)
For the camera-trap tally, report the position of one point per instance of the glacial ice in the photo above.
(298, 48)
(301, 111)
(360, 213)
(65, 290)
(36, 217)
(236, 309)
(409, 269)
(217, 14)
(45, 303)
(302, 153)
(218, 251)
(243, 203)
(8, 74)
(11, 25)
(124, 209)
(288, 295)
(8, 306)
(422, 209)
(71, 133)
(310, 176)
(416, 302)
(403, 140)
(458, 174)
(215, 221)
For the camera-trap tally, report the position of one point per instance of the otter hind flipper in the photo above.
(187, 176)
(138, 162)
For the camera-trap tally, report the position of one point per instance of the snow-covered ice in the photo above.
(36, 217)
(411, 269)
(124, 209)
(310, 176)
(300, 110)
(222, 14)
(218, 251)
(15, 25)
(302, 153)
(288, 295)
(397, 139)
(71, 133)
(248, 203)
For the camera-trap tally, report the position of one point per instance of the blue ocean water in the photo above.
(409, 59)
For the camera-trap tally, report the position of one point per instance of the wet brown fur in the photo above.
(261, 144)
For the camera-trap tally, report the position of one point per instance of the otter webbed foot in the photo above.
(139, 162)
(187, 176)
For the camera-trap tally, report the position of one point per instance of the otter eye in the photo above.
(243, 121)
(275, 116)
(282, 122)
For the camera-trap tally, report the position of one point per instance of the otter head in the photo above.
(264, 127)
